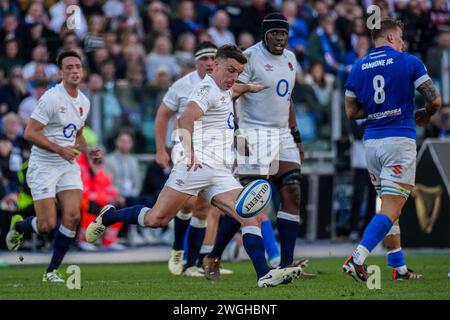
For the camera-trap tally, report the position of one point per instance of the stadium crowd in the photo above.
(133, 50)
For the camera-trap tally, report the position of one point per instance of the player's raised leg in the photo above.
(166, 207)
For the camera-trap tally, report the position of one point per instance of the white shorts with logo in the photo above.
(268, 146)
(208, 181)
(391, 159)
(47, 179)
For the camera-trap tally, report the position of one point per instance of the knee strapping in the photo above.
(393, 188)
(198, 223)
(393, 231)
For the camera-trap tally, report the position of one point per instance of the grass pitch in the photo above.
(153, 281)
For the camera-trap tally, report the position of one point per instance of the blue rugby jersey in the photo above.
(384, 82)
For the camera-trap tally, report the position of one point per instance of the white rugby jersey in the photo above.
(269, 107)
(62, 116)
(213, 132)
(177, 96)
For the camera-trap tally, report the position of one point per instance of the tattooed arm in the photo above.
(432, 103)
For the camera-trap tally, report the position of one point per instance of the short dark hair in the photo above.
(66, 54)
(230, 51)
(386, 24)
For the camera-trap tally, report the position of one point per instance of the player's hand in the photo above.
(162, 159)
(422, 118)
(69, 153)
(192, 161)
(301, 151)
(257, 87)
(95, 153)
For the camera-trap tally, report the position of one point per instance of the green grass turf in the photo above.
(153, 281)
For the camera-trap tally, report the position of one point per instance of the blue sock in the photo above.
(270, 243)
(180, 228)
(63, 240)
(377, 229)
(254, 246)
(25, 226)
(127, 215)
(395, 258)
(227, 229)
(288, 231)
(195, 240)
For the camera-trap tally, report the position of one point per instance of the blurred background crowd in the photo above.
(133, 50)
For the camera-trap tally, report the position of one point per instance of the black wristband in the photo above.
(296, 134)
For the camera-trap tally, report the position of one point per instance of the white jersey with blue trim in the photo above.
(177, 96)
(62, 115)
(214, 131)
(269, 107)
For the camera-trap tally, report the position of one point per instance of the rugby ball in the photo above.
(253, 198)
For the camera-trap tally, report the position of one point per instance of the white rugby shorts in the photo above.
(268, 146)
(45, 180)
(208, 181)
(392, 158)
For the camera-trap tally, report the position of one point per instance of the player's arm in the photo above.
(353, 108)
(294, 130)
(35, 135)
(186, 126)
(432, 103)
(161, 123)
(240, 88)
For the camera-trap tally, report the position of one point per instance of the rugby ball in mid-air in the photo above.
(253, 198)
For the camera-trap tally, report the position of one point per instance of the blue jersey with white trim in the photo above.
(384, 82)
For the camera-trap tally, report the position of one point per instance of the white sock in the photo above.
(141, 216)
(360, 254)
(402, 270)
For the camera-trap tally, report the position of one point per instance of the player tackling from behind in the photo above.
(381, 89)
(207, 136)
(56, 131)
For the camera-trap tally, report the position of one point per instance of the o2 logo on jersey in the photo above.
(230, 121)
(282, 87)
(69, 130)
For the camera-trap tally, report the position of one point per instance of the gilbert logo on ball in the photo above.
(253, 198)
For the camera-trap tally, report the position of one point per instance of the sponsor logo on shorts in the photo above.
(179, 182)
(397, 171)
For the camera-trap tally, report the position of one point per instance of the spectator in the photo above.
(14, 150)
(438, 64)
(154, 10)
(253, 15)
(112, 8)
(245, 40)
(161, 56)
(417, 28)
(91, 7)
(185, 20)
(184, 51)
(159, 27)
(326, 46)
(12, 93)
(298, 30)
(10, 28)
(129, 21)
(105, 115)
(219, 31)
(28, 104)
(440, 14)
(36, 14)
(39, 34)
(11, 56)
(40, 55)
